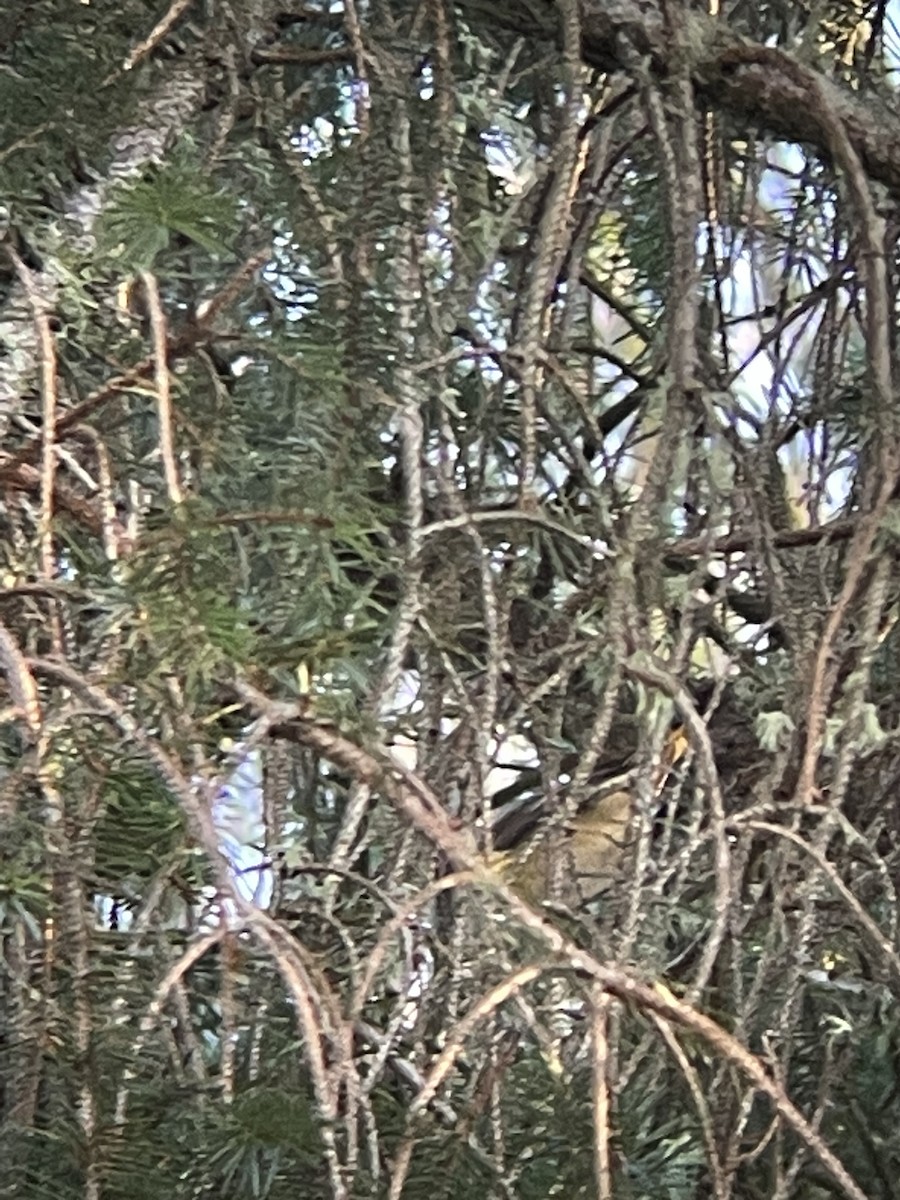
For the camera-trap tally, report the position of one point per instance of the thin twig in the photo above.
(162, 27)
(49, 406)
(600, 1005)
(163, 388)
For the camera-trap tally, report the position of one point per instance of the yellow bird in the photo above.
(584, 855)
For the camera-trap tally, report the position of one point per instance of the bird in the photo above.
(579, 859)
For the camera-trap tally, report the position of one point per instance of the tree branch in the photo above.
(752, 82)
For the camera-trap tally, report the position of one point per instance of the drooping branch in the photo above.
(421, 807)
(754, 83)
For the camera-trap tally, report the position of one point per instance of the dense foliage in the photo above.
(415, 414)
